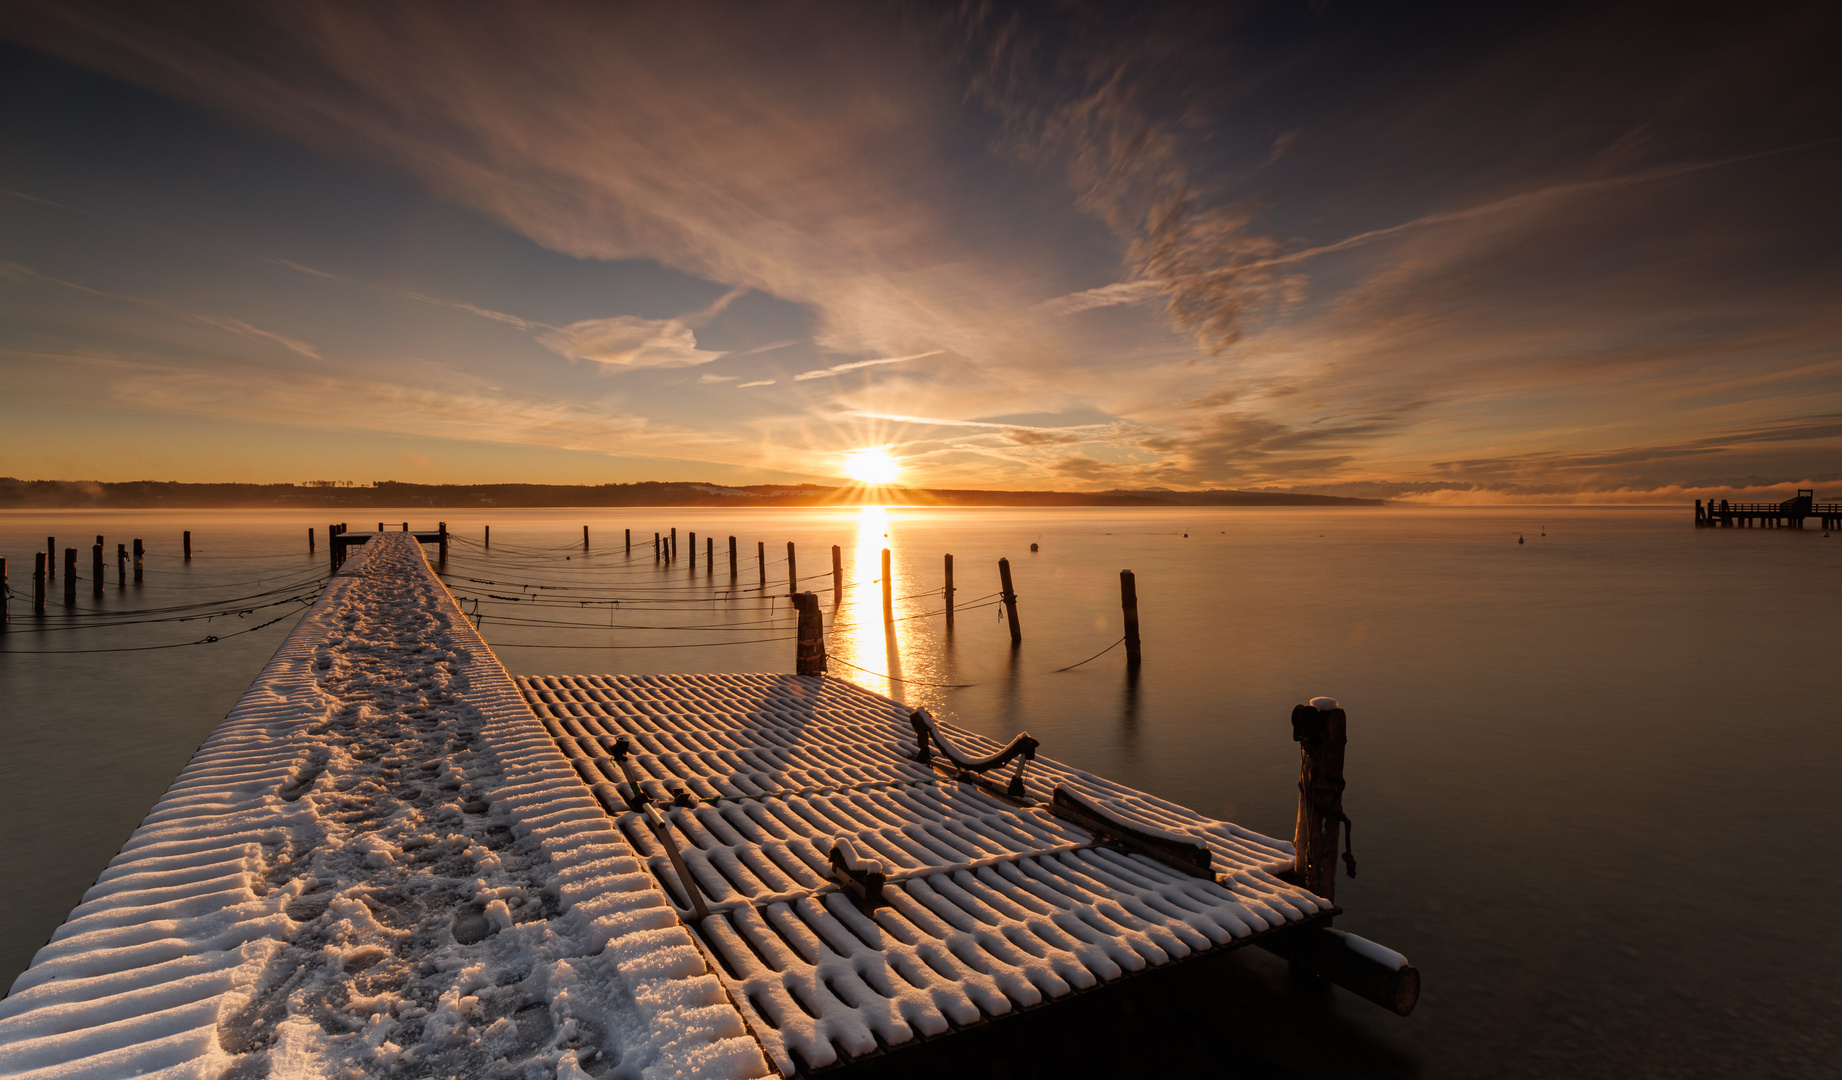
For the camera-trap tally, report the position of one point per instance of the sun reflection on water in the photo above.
(859, 636)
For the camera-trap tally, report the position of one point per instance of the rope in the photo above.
(213, 639)
(1096, 656)
(918, 682)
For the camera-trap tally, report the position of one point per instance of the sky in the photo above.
(1461, 252)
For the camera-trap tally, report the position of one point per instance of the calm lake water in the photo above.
(1592, 775)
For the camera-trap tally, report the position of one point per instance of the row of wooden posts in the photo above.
(45, 571)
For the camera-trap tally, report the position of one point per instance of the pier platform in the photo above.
(395, 859)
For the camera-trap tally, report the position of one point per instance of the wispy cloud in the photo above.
(628, 341)
(757, 382)
(856, 365)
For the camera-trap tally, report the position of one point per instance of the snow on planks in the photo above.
(989, 908)
(378, 865)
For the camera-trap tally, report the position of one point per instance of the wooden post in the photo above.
(310, 539)
(674, 551)
(51, 558)
(1320, 729)
(810, 658)
(732, 559)
(888, 598)
(38, 583)
(121, 565)
(629, 534)
(949, 592)
(693, 553)
(792, 571)
(380, 526)
(761, 562)
(585, 538)
(1009, 597)
(96, 569)
(489, 538)
(709, 556)
(655, 547)
(139, 551)
(70, 577)
(6, 596)
(332, 550)
(443, 526)
(1128, 604)
(837, 575)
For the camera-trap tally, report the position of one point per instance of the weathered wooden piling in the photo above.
(38, 583)
(809, 658)
(948, 592)
(121, 565)
(1009, 596)
(655, 547)
(732, 559)
(1321, 731)
(674, 547)
(188, 545)
(888, 597)
(310, 539)
(96, 569)
(139, 560)
(1128, 606)
(709, 556)
(443, 543)
(51, 558)
(693, 538)
(585, 538)
(792, 571)
(70, 577)
(837, 575)
(629, 534)
(761, 562)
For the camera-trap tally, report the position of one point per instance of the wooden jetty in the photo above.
(394, 858)
(1789, 514)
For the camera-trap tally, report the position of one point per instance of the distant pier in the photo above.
(1789, 514)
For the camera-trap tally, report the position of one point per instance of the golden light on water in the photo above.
(859, 636)
(871, 467)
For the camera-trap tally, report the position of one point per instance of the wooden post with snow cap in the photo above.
(810, 656)
(1128, 605)
(948, 592)
(837, 575)
(1009, 597)
(792, 571)
(888, 597)
(1321, 731)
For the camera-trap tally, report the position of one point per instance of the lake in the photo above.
(1591, 774)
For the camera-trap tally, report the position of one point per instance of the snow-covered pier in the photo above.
(392, 858)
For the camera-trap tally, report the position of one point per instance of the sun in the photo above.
(871, 467)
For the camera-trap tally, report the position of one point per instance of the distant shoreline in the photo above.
(146, 494)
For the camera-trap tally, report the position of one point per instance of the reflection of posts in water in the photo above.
(1009, 596)
(809, 658)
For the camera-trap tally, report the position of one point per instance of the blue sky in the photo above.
(1440, 252)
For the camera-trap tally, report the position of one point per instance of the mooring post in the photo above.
(70, 577)
(38, 583)
(888, 598)
(51, 558)
(443, 527)
(585, 538)
(121, 565)
(709, 556)
(837, 575)
(792, 571)
(310, 539)
(761, 562)
(693, 553)
(188, 545)
(6, 595)
(655, 547)
(732, 558)
(96, 570)
(1009, 597)
(1128, 604)
(489, 538)
(380, 526)
(629, 533)
(674, 550)
(810, 658)
(1321, 730)
(139, 551)
(948, 591)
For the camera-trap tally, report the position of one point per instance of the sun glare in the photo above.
(871, 467)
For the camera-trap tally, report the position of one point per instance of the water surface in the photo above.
(1591, 774)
